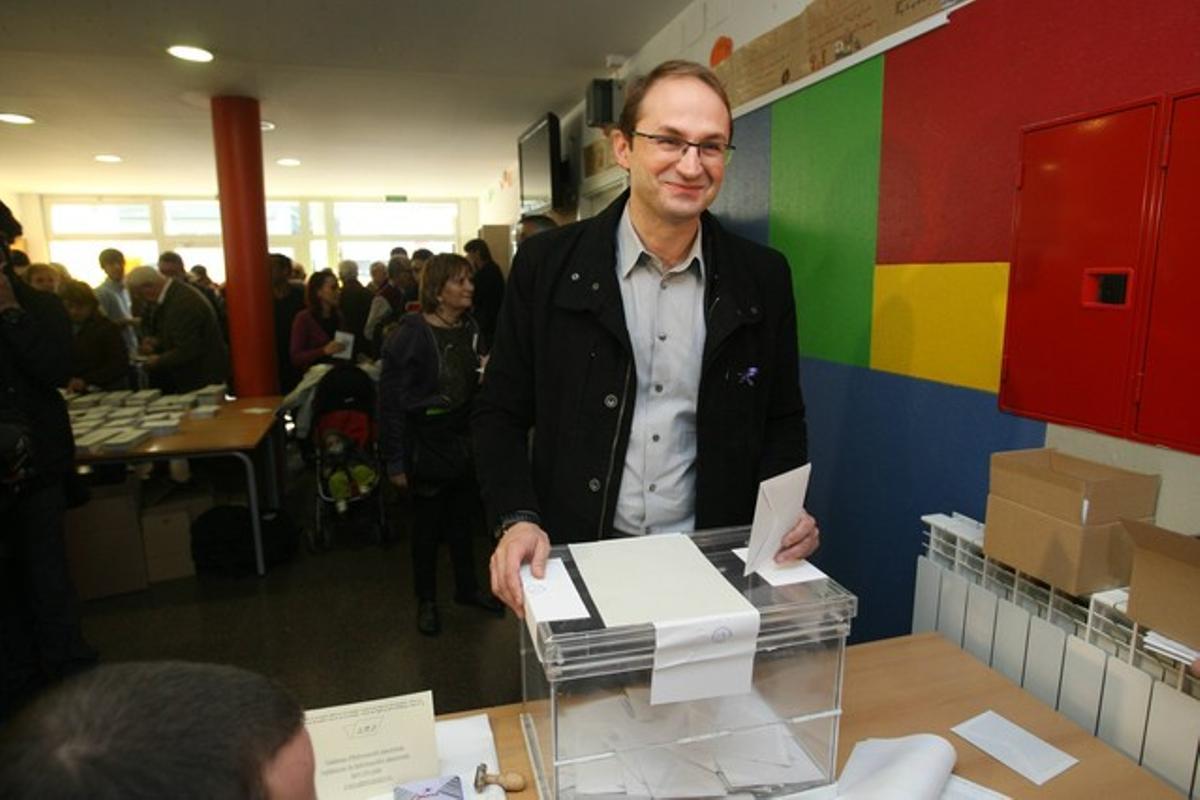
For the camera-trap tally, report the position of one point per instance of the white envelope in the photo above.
(779, 506)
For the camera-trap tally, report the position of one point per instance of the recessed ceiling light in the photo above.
(16, 119)
(267, 125)
(189, 53)
(108, 158)
(288, 162)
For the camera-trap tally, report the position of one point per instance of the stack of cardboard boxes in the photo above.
(1058, 518)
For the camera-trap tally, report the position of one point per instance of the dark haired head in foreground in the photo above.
(157, 730)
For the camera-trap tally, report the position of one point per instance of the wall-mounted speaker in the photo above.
(603, 102)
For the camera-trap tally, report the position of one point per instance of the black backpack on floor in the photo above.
(222, 540)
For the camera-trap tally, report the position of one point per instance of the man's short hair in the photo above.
(440, 269)
(636, 91)
(277, 261)
(171, 257)
(199, 270)
(348, 269)
(141, 276)
(480, 248)
(422, 255)
(149, 730)
(111, 255)
(398, 251)
(539, 222)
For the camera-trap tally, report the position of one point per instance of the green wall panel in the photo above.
(824, 203)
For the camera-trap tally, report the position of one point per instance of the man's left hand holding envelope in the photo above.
(801, 541)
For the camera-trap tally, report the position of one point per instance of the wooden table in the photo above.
(237, 431)
(924, 684)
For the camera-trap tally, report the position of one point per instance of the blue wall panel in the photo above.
(745, 198)
(885, 450)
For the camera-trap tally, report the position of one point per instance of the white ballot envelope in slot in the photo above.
(779, 506)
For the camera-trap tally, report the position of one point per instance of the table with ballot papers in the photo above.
(116, 422)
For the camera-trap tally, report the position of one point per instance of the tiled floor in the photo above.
(334, 627)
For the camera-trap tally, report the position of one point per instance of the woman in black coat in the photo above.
(430, 374)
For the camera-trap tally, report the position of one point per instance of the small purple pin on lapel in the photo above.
(746, 378)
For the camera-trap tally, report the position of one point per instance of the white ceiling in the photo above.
(424, 99)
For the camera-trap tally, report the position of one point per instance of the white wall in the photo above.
(500, 204)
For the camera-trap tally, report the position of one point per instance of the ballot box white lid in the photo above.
(797, 612)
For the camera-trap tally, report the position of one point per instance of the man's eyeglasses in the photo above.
(676, 146)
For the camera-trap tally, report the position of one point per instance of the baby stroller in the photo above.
(348, 467)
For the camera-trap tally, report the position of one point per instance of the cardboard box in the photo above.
(1164, 593)
(104, 542)
(1077, 559)
(1072, 489)
(1057, 517)
(167, 535)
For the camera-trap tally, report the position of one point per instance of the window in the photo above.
(110, 218)
(283, 218)
(191, 218)
(402, 220)
(318, 253)
(82, 256)
(212, 258)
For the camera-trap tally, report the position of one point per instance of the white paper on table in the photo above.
(779, 506)
(801, 571)
(1015, 747)
(910, 767)
(665, 580)
(346, 338)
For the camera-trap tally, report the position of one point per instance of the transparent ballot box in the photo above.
(596, 724)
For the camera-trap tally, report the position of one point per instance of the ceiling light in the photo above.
(267, 125)
(108, 158)
(189, 53)
(288, 162)
(16, 119)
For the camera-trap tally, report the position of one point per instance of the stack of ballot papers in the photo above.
(204, 412)
(124, 439)
(114, 398)
(141, 398)
(82, 401)
(162, 424)
(89, 442)
(211, 395)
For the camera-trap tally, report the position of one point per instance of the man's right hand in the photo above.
(522, 543)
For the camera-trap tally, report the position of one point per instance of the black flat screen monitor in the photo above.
(540, 164)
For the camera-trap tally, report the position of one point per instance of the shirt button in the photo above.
(662, 337)
(652, 486)
(655, 438)
(658, 387)
(594, 484)
(574, 276)
(595, 287)
(611, 401)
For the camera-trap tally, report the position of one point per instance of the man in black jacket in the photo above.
(653, 354)
(40, 635)
(489, 288)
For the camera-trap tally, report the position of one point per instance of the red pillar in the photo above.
(237, 140)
